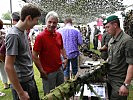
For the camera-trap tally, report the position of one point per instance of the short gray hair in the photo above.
(53, 14)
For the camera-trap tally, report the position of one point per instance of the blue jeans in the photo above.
(74, 63)
(30, 87)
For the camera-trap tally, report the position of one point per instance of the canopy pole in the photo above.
(11, 10)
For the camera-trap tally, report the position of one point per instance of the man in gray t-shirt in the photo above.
(18, 63)
(19, 47)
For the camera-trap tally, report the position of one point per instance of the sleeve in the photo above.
(38, 44)
(80, 41)
(129, 51)
(12, 44)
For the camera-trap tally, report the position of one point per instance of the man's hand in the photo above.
(24, 96)
(123, 91)
(43, 74)
(37, 62)
(65, 63)
(96, 35)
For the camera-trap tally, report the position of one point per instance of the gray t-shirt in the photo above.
(17, 44)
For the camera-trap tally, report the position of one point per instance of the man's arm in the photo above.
(37, 62)
(129, 75)
(103, 48)
(63, 52)
(9, 67)
(123, 89)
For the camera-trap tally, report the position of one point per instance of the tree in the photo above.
(6, 16)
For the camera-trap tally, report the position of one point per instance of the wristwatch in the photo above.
(126, 85)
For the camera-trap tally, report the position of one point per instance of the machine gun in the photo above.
(70, 87)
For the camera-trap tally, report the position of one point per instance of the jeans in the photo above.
(74, 63)
(29, 87)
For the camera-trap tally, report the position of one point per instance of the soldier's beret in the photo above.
(110, 19)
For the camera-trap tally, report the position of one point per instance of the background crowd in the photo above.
(56, 50)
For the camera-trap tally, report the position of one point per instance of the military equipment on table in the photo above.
(86, 66)
(70, 87)
(90, 54)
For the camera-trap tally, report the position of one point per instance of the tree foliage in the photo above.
(6, 16)
(79, 10)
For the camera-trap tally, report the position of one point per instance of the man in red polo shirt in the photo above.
(47, 52)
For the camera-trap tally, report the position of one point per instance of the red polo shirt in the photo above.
(49, 45)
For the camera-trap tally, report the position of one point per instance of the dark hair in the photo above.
(116, 21)
(15, 16)
(68, 20)
(1, 24)
(31, 10)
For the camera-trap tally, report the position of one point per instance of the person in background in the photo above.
(79, 28)
(71, 40)
(18, 62)
(2, 71)
(89, 32)
(120, 60)
(15, 17)
(88, 35)
(84, 31)
(47, 52)
(95, 38)
(104, 45)
(3, 75)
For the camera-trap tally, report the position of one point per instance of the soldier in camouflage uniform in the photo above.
(120, 60)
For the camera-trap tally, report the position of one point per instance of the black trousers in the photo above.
(95, 43)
